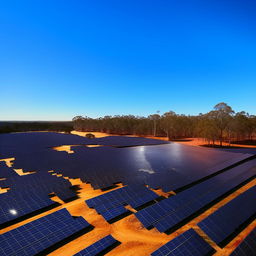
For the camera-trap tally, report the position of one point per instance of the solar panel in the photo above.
(186, 244)
(111, 204)
(6, 172)
(170, 212)
(99, 247)
(16, 205)
(40, 183)
(247, 247)
(223, 223)
(41, 234)
(114, 213)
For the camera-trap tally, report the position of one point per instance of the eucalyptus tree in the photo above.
(155, 118)
(222, 115)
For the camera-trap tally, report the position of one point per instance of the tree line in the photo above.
(221, 124)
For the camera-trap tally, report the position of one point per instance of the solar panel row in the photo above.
(40, 182)
(111, 204)
(99, 247)
(247, 247)
(220, 225)
(41, 234)
(170, 212)
(15, 205)
(186, 244)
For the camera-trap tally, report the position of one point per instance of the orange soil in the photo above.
(96, 134)
(201, 141)
(8, 161)
(66, 148)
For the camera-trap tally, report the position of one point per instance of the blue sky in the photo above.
(59, 59)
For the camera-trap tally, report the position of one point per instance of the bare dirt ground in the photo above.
(201, 141)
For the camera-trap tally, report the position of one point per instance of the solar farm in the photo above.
(64, 194)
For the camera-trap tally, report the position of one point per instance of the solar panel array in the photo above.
(170, 212)
(43, 182)
(35, 237)
(111, 204)
(187, 244)
(220, 225)
(29, 194)
(99, 247)
(170, 166)
(27, 142)
(156, 166)
(247, 247)
(15, 205)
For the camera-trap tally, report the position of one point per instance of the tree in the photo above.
(222, 115)
(168, 121)
(155, 118)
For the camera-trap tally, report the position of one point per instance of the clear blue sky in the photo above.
(62, 58)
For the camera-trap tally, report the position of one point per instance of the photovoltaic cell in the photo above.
(186, 244)
(247, 247)
(98, 247)
(38, 235)
(220, 225)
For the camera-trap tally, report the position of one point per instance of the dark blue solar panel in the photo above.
(40, 234)
(186, 244)
(18, 143)
(40, 183)
(220, 225)
(14, 205)
(169, 212)
(6, 172)
(99, 247)
(111, 204)
(113, 213)
(247, 247)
